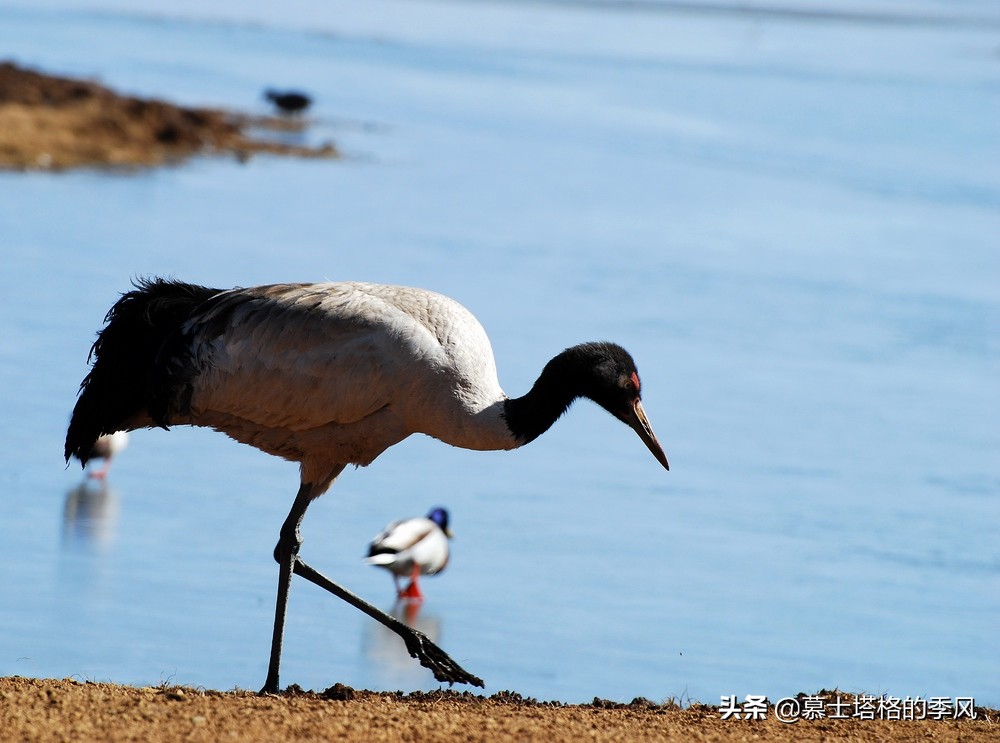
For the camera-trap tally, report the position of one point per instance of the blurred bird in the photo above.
(412, 547)
(288, 101)
(106, 448)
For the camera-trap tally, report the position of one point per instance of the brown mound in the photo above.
(55, 123)
(48, 710)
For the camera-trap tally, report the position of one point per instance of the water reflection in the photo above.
(90, 514)
(387, 652)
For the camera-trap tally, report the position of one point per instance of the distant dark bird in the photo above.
(411, 548)
(329, 375)
(288, 101)
(106, 448)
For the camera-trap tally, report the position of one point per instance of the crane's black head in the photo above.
(607, 375)
(604, 372)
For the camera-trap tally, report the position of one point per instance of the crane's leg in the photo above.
(417, 643)
(287, 556)
(285, 553)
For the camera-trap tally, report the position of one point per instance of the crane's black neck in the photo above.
(573, 373)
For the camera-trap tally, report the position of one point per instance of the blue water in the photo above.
(791, 222)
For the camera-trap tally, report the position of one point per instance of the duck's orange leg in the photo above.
(412, 591)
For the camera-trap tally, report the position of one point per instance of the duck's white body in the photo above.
(408, 549)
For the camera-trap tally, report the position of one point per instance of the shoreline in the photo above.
(52, 123)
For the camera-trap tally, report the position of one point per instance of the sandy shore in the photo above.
(62, 710)
(58, 123)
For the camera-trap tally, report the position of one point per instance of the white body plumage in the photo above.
(330, 374)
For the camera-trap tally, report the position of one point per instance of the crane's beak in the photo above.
(638, 422)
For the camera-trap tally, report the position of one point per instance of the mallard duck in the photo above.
(411, 548)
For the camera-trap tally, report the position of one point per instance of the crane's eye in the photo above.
(631, 383)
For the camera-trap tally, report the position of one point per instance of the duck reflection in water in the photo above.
(387, 652)
(90, 514)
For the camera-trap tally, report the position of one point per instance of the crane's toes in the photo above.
(438, 661)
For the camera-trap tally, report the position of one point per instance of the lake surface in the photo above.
(790, 219)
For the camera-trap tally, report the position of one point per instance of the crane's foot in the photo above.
(417, 643)
(438, 661)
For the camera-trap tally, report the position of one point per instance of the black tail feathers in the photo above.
(116, 391)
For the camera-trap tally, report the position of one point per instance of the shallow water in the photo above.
(791, 223)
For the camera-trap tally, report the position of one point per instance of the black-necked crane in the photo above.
(329, 375)
(409, 548)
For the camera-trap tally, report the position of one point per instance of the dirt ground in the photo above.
(57, 123)
(67, 710)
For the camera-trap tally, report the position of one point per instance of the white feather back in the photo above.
(414, 542)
